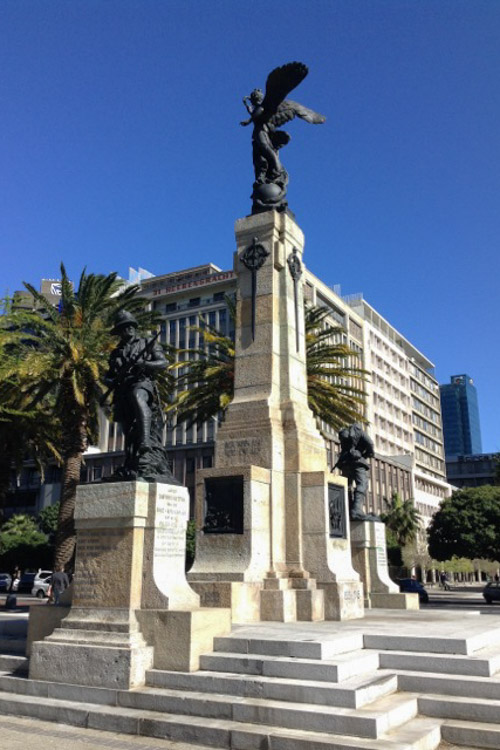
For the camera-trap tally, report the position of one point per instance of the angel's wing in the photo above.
(288, 109)
(280, 82)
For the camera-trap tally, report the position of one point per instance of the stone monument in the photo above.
(274, 533)
(280, 549)
(132, 608)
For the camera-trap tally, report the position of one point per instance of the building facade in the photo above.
(459, 405)
(473, 470)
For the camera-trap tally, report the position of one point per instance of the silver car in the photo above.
(41, 583)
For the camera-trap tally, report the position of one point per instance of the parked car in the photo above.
(26, 583)
(5, 581)
(411, 586)
(41, 583)
(491, 592)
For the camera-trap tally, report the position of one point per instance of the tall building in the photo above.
(462, 432)
(403, 410)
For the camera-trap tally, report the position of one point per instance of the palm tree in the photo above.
(402, 519)
(23, 434)
(207, 384)
(58, 357)
(334, 387)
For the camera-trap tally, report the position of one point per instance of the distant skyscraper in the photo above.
(462, 433)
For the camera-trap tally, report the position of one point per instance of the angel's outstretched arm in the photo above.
(248, 106)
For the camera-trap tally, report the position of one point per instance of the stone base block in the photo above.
(343, 600)
(241, 597)
(181, 637)
(395, 601)
(278, 605)
(42, 622)
(90, 664)
(310, 605)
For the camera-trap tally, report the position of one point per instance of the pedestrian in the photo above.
(58, 583)
(16, 577)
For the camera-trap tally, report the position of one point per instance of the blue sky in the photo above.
(120, 145)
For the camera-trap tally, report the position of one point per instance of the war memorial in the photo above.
(287, 633)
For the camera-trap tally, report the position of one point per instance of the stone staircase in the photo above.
(295, 690)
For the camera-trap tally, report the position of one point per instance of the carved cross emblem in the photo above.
(253, 258)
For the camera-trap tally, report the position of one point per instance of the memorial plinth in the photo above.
(369, 557)
(270, 440)
(129, 589)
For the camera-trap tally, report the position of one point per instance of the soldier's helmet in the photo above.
(123, 318)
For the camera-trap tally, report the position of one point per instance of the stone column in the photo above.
(327, 552)
(269, 427)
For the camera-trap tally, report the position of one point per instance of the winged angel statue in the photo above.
(267, 113)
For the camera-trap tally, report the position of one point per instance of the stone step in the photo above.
(341, 668)
(296, 649)
(353, 693)
(11, 663)
(463, 708)
(443, 684)
(482, 664)
(371, 721)
(58, 690)
(433, 644)
(420, 734)
(471, 734)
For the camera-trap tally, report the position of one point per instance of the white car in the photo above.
(41, 583)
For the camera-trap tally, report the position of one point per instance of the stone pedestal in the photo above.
(270, 440)
(369, 557)
(129, 577)
(326, 540)
(233, 549)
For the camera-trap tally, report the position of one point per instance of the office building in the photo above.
(462, 432)
(473, 470)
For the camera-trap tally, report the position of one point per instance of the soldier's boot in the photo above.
(145, 443)
(357, 513)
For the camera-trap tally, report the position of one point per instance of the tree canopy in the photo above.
(467, 525)
(334, 382)
(402, 520)
(22, 544)
(55, 361)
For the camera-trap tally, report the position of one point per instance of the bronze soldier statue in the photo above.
(133, 365)
(355, 450)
